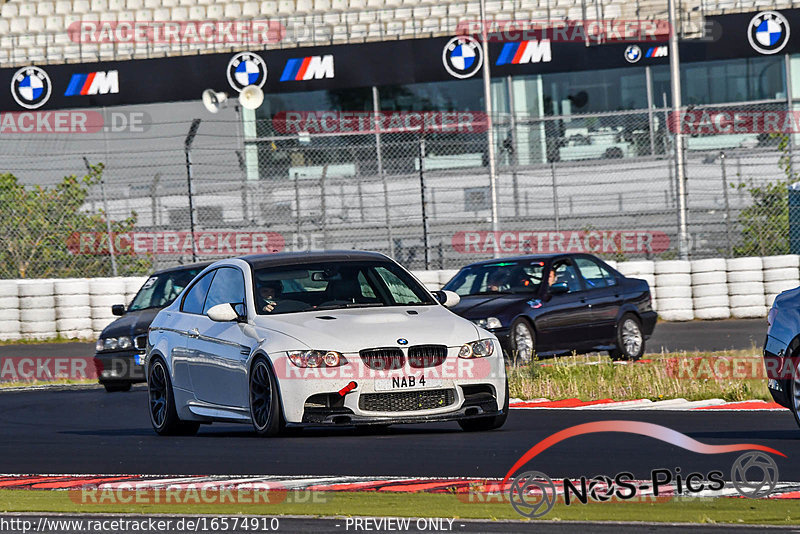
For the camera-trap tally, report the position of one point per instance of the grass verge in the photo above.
(729, 375)
(694, 510)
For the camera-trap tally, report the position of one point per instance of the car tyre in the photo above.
(523, 341)
(629, 339)
(794, 390)
(265, 411)
(163, 415)
(480, 424)
(113, 387)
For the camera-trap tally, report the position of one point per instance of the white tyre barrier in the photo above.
(38, 327)
(745, 276)
(9, 314)
(107, 286)
(709, 265)
(103, 312)
(100, 301)
(9, 302)
(707, 314)
(38, 314)
(716, 301)
(134, 283)
(633, 268)
(9, 327)
(71, 324)
(710, 290)
(446, 275)
(70, 301)
(673, 279)
(750, 312)
(611, 263)
(773, 288)
(669, 304)
(744, 264)
(676, 315)
(429, 278)
(672, 267)
(712, 277)
(781, 262)
(674, 292)
(9, 288)
(786, 273)
(745, 301)
(37, 303)
(74, 312)
(746, 288)
(35, 288)
(98, 324)
(71, 286)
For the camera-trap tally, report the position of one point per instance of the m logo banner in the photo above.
(525, 52)
(307, 68)
(93, 83)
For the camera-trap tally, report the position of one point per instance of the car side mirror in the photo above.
(448, 299)
(223, 313)
(118, 310)
(559, 288)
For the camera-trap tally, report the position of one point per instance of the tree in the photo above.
(36, 224)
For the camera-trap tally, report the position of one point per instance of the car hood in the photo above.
(131, 324)
(350, 330)
(482, 306)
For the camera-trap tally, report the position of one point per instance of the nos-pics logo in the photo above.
(31, 87)
(462, 56)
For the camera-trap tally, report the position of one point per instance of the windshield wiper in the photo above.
(351, 305)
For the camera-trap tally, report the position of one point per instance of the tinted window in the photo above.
(159, 291)
(565, 272)
(500, 277)
(592, 273)
(228, 286)
(196, 297)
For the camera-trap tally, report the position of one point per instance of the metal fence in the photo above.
(602, 183)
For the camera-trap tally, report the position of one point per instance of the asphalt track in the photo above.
(89, 431)
(694, 335)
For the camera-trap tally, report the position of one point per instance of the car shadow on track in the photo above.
(209, 431)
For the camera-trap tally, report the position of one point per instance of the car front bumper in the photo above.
(119, 366)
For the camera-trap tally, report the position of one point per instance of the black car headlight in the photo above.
(316, 358)
(477, 349)
(489, 322)
(105, 344)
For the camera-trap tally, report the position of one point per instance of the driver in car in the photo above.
(269, 291)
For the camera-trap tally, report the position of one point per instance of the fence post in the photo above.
(376, 108)
(555, 195)
(422, 200)
(727, 205)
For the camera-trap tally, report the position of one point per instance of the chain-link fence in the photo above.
(602, 183)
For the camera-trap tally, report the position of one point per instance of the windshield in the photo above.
(160, 290)
(499, 277)
(335, 285)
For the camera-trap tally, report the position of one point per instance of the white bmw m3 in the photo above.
(319, 339)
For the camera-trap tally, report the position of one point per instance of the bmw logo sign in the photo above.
(402, 341)
(31, 87)
(768, 32)
(633, 53)
(246, 69)
(462, 56)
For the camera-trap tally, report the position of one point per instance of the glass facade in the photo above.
(556, 117)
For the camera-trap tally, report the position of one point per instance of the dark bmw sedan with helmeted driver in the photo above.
(556, 304)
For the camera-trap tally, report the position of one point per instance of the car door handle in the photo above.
(194, 332)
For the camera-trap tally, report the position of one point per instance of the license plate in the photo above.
(406, 382)
(137, 359)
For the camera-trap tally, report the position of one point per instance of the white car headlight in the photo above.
(477, 349)
(316, 358)
(489, 322)
(110, 343)
(124, 342)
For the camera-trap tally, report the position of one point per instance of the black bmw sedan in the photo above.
(119, 349)
(556, 304)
